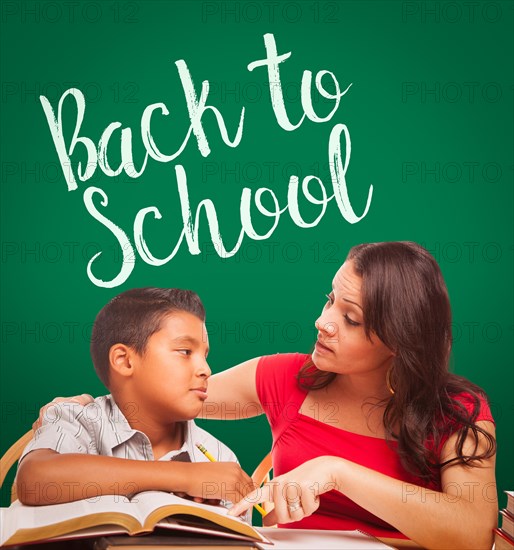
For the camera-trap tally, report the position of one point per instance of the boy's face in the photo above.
(170, 378)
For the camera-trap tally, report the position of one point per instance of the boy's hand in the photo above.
(83, 400)
(218, 480)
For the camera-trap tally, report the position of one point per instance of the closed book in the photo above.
(502, 541)
(282, 539)
(507, 523)
(510, 501)
(177, 541)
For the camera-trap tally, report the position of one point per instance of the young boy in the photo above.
(149, 347)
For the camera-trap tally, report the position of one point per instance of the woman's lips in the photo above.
(322, 348)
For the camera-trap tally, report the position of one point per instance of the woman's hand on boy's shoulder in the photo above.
(83, 400)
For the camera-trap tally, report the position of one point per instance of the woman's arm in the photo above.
(233, 393)
(47, 477)
(462, 515)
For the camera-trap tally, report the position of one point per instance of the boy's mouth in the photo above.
(201, 392)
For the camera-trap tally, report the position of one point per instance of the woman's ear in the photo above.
(120, 360)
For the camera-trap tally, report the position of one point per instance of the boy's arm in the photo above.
(63, 462)
(47, 477)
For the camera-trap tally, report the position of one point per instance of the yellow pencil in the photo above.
(259, 508)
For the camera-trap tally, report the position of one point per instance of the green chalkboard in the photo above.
(421, 90)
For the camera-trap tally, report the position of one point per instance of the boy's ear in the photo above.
(120, 360)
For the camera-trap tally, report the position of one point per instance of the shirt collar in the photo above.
(125, 432)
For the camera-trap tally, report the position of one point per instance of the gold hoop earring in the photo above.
(388, 381)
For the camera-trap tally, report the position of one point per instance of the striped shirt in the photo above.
(100, 428)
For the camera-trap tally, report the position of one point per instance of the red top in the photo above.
(298, 438)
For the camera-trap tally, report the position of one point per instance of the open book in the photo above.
(114, 514)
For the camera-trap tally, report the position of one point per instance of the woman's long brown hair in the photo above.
(406, 304)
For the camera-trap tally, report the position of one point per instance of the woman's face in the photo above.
(342, 346)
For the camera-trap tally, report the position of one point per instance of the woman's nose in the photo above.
(326, 326)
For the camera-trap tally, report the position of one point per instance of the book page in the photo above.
(306, 539)
(18, 516)
(149, 501)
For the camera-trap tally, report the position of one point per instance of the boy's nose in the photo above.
(204, 369)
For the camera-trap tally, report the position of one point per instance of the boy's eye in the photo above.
(185, 351)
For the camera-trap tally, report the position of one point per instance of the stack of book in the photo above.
(504, 536)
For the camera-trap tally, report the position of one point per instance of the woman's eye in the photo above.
(330, 298)
(351, 321)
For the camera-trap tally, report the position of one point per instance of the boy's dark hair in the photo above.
(133, 316)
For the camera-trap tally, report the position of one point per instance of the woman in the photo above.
(371, 431)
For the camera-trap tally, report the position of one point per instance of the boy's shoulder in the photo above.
(102, 428)
(94, 416)
(69, 427)
(104, 410)
(104, 405)
(104, 416)
(71, 411)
